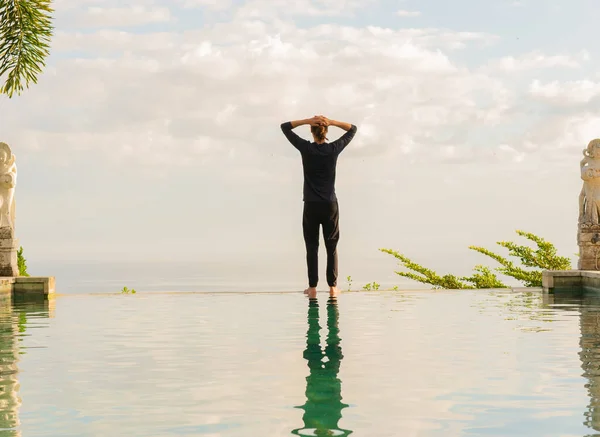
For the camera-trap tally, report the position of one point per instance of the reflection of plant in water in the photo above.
(520, 306)
(22, 321)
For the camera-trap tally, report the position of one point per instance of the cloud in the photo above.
(196, 95)
(275, 9)
(559, 133)
(137, 15)
(565, 93)
(210, 4)
(219, 92)
(537, 60)
(405, 13)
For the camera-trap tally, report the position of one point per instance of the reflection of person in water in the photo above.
(323, 406)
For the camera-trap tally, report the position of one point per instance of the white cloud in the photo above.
(253, 75)
(136, 15)
(190, 87)
(538, 60)
(570, 133)
(258, 67)
(579, 91)
(405, 13)
(275, 9)
(210, 4)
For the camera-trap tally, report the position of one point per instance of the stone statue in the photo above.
(8, 243)
(8, 182)
(589, 198)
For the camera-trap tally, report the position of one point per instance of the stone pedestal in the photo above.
(8, 252)
(588, 240)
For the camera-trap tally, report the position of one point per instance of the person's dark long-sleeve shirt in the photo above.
(319, 163)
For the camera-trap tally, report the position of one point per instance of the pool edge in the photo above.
(569, 280)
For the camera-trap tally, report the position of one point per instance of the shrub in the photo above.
(544, 257)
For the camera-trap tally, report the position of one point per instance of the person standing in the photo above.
(319, 161)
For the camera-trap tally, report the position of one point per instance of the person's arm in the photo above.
(341, 143)
(298, 142)
(302, 122)
(341, 124)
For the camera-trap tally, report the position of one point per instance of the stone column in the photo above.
(588, 240)
(8, 252)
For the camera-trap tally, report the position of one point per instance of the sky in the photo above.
(153, 133)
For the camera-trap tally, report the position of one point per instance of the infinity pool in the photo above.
(468, 363)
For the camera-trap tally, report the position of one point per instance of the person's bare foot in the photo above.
(311, 292)
(334, 292)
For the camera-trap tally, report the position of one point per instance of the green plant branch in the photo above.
(21, 263)
(425, 275)
(25, 33)
(544, 257)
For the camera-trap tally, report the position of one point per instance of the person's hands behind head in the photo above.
(316, 121)
(321, 120)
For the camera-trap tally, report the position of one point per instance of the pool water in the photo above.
(464, 363)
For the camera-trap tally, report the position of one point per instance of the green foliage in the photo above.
(25, 32)
(483, 277)
(126, 290)
(371, 286)
(21, 263)
(544, 257)
(425, 275)
(368, 287)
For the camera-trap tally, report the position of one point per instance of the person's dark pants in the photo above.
(325, 214)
